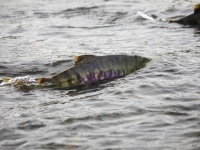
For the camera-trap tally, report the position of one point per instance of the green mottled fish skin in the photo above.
(96, 69)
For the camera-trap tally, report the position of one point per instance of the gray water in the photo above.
(154, 108)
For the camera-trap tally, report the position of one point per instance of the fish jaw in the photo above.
(141, 62)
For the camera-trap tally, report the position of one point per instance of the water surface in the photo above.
(156, 107)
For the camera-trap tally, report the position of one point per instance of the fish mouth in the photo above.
(142, 61)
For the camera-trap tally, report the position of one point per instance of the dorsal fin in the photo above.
(82, 58)
(196, 8)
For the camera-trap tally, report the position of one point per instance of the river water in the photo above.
(154, 108)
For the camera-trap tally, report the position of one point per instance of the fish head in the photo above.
(140, 62)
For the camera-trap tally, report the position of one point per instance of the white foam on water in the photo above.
(145, 16)
(20, 81)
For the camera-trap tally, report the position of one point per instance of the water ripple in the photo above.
(154, 108)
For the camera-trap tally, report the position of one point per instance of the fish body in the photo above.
(192, 19)
(89, 69)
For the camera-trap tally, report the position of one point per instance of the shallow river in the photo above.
(154, 108)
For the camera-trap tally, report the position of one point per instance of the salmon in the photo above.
(89, 69)
(192, 19)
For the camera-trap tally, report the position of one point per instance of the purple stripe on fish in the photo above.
(100, 75)
(104, 75)
(115, 73)
(110, 74)
(91, 77)
(118, 73)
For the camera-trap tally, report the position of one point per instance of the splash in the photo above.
(18, 81)
(25, 83)
(145, 16)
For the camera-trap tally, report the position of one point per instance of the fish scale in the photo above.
(89, 69)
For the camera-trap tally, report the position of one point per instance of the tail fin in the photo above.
(5, 80)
